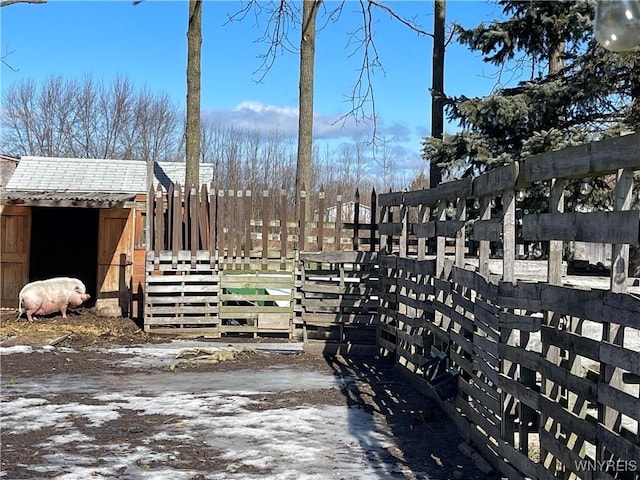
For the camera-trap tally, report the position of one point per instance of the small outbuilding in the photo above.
(81, 218)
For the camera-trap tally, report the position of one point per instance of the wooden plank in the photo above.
(391, 228)
(480, 396)
(449, 228)
(616, 443)
(462, 363)
(522, 295)
(623, 200)
(519, 460)
(560, 376)
(565, 456)
(573, 423)
(487, 314)
(390, 199)
(283, 228)
(461, 301)
(618, 400)
(586, 304)
(187, 317)
(321, 216)
(464, 277)
(465, 322)
(496, 180)
(485, 289)
(464, 343)
(169, 288)
(391, 347)
(526, 358)
(415, 266)
(522, 393)
(489, 425)
(592, 159)
(576, 344)
(624, 308)
(487, 370)
(445, 191)
(339, 257)
(341, 317)
(509, 234)
(596, 227)
(523, 323)
(490, 230)
(424, 229)
(179, 299)
(620, 357)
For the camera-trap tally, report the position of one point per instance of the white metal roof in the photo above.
(55, 174)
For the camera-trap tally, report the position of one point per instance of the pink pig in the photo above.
(53, 295)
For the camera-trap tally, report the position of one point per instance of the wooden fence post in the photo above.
(611, 332)
(552, 319)
(321, 219)
(177, 225)
(213, 222)
(192, 223)
(283, 229)
(373, 225)
(265, 229)
(338, 224)
(302, 221)
(356, 222)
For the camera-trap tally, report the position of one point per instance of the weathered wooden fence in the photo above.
(228, 261)
(539, 370)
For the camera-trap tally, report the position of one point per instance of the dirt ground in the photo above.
(425, 444)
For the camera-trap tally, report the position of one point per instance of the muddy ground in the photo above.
(66, 413)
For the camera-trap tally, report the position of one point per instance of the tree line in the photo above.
(85, 118)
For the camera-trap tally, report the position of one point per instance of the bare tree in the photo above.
(6, 3)
(280, 16)
(437, 85)
(192, 130)
(88, 119)
(305, 98)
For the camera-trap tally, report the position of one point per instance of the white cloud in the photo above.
(253, 115)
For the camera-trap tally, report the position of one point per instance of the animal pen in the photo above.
(538, 368)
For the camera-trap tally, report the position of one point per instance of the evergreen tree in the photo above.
(577, 92)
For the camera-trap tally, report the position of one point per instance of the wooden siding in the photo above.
(15, 235)
(115, 258)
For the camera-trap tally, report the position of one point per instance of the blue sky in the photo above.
(147, 44)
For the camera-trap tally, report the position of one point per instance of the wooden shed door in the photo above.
(115, 252)
(15, 232)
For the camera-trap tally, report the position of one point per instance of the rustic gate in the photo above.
(225, 262)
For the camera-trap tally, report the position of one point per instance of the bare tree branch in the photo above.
(408, 23)
(6, 3)
(6, 64)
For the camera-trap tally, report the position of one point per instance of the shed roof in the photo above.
(43, 180)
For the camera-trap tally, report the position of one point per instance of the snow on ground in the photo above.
(210, 410)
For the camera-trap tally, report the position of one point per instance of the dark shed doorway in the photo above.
(64, 243)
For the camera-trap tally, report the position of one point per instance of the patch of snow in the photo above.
(15, 349)
(210, 411)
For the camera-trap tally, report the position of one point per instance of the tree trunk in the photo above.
(305, 105)
(192, 129)
(437, 85)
